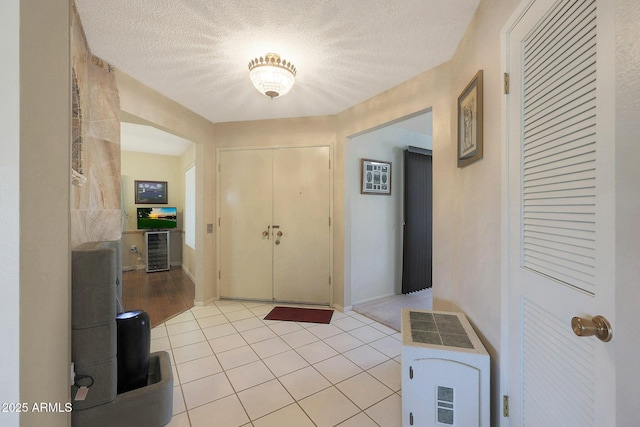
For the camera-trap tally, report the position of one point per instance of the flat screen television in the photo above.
(157, 218)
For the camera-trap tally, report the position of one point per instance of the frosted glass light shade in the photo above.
(272, 76)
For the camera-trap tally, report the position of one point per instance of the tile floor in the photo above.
(232, 368)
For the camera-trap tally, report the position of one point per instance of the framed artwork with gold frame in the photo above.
(470, 122)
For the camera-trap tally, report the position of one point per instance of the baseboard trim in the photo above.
(373, 299)
(205, 303)
(188, 273)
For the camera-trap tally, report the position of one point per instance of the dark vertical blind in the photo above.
(418, 213)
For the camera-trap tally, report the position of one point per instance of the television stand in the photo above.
(158, 254)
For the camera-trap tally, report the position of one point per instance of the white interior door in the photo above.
(245, 216)
(560, 210)
(274, 224)
(301, 206)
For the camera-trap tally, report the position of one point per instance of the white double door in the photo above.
(274, 228)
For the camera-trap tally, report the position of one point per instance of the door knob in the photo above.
(265, 234)
(598, 326)
(279, 233)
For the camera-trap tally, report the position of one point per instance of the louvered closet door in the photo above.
(560, 200)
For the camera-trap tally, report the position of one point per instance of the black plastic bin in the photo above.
(134, 343)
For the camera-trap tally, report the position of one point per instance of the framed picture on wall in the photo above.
(376, 177)
(151, 192)
(470, 122)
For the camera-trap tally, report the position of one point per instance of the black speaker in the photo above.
(134, 343)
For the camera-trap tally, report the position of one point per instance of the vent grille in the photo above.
(559, 145)
(445, 406)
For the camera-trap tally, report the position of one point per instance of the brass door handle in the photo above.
(598, 326)
(279, 234)
(265, 234)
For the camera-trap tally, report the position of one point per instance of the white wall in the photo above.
(376, 221)
(627, 221)
(10, 202)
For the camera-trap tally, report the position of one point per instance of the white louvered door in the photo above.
(560, 210)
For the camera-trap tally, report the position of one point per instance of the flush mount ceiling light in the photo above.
(271, 75)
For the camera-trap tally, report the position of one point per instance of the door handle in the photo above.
(279, 234)
(598, 326)
(267, 232)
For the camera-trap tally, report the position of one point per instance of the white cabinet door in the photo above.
(560, 210)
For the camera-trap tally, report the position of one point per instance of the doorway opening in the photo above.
(374, 223)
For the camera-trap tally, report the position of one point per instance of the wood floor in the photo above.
(163, 294)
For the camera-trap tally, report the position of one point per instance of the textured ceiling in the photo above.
(196, 52)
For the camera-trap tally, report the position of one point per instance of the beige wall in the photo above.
(44, 181)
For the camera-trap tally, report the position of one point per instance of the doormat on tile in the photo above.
(297, 314)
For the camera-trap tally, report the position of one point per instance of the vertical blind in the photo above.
(559, 145)
(418, 217)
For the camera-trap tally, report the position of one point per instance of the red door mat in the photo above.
(297, 314)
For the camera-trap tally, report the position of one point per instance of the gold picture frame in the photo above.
(470, 122)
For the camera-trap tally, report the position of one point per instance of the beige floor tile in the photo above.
(258, 334)
(182, 317)
(388, 373)
(182, 327)
(304, 382)
(317, 351)
(205, 390)
(284, 363)
(367, 334)
(388, 345)
(265, 398)
(247, 324)
(217, 331)
(179, 420)
(325, 331)
(328, 407)
(237, 357)
(198, 368)
(202, 312)
(218, 319)
(337, 368)
(191, 337)
(364, 390)
(234, 316)
(270, 347)
(359, 420)
(299, 338)
(249, 375)
(225, 412)
(365, 356)
(387, 413)
(290, 415)
(191, 352)
(226, 343)
(343, 342)
(348, 323)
